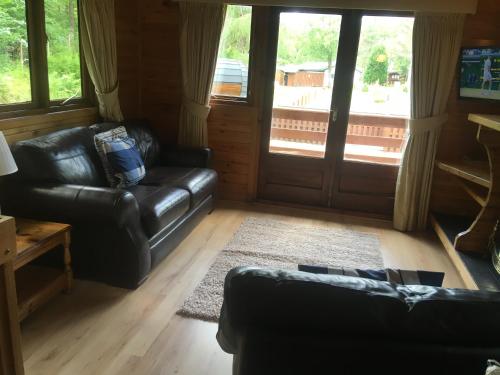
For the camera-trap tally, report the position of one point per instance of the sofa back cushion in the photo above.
(66, 156)
(336, 307)
(146, 142)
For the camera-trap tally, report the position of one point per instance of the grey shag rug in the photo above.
(279, 244)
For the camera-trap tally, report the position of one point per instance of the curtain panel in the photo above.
(98, 34)
(436, 46)
(201, 28)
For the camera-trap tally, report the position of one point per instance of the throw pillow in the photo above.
(125, 161)
(493, 368)
(402, 277)
(99, 140)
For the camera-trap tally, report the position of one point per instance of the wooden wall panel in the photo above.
(151, 87)
(21, 128)
(232, 134)
(161, 74)
(149, 63)
(458, 137)
(128, 37)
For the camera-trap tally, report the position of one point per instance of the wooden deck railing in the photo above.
(306, 126)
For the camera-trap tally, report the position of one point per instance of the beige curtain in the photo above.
(436, 45)
(98, 34)
(201, 27)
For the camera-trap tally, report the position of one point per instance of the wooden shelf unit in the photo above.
(467, 244)
(477, 172)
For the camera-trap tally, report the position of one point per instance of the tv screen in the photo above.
(480, 73)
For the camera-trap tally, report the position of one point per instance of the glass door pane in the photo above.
(305, 68)
(380, 101)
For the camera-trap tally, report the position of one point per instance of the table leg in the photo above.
(11, 358)
(67, 262)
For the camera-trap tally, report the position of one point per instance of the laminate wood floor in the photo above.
(99, 329)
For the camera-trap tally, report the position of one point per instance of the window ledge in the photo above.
(218, 100)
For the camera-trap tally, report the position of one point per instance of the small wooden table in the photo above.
(37, 284)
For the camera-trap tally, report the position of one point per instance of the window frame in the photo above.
(225, 99)
(39, 74)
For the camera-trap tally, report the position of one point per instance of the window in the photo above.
(15, 75)
(40, 60)
(231, 72)
(63, 49)
(380, 103)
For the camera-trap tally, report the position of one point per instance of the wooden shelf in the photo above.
(36, 285)
(476, 270)
(473, 171)
(476, 192)
(490, 121)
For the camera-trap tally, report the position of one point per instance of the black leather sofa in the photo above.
(118, 235)
(291, 322)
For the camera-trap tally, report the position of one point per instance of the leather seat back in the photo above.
(66, 156)
(146, 141)
(294, 303)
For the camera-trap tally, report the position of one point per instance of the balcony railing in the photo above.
(373, 138)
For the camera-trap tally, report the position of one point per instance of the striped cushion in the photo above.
(121, 159)
(402, 277)
(99, 140)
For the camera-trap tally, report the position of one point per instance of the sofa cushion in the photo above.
(160, 206)
(146, 142)
(200, 182)
(99, 139)
(66, 156)
(392, 275)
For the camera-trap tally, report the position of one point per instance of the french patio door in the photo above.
(317, 148)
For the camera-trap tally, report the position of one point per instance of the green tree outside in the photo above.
(63, 58)
(378, 67)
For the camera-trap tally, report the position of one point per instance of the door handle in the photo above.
(334, 114)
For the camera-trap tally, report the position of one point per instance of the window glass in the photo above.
(63, 49)
(303, 84)
(231, 73)
(15, 81)
(380, 101)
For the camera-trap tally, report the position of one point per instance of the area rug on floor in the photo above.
(280, 244)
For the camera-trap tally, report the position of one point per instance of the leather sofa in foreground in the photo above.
(290, 322)
(118, 235)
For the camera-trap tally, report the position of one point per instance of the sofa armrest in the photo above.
(73, 203)
(108, 242)
(187, 157)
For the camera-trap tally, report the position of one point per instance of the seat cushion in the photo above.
(160, 206)
(200, 182)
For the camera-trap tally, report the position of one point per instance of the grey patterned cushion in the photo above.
(100, 141)
(402, 277)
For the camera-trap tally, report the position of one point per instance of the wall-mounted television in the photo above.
(480, 73)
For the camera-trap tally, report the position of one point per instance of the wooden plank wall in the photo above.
(151, 87)
(128, 36)
(458, 137)
(233, 135)
(20, 128)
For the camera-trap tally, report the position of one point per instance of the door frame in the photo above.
(333, 194)
(349, 32)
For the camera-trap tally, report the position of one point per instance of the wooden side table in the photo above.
(11, 356)
(36, 284)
